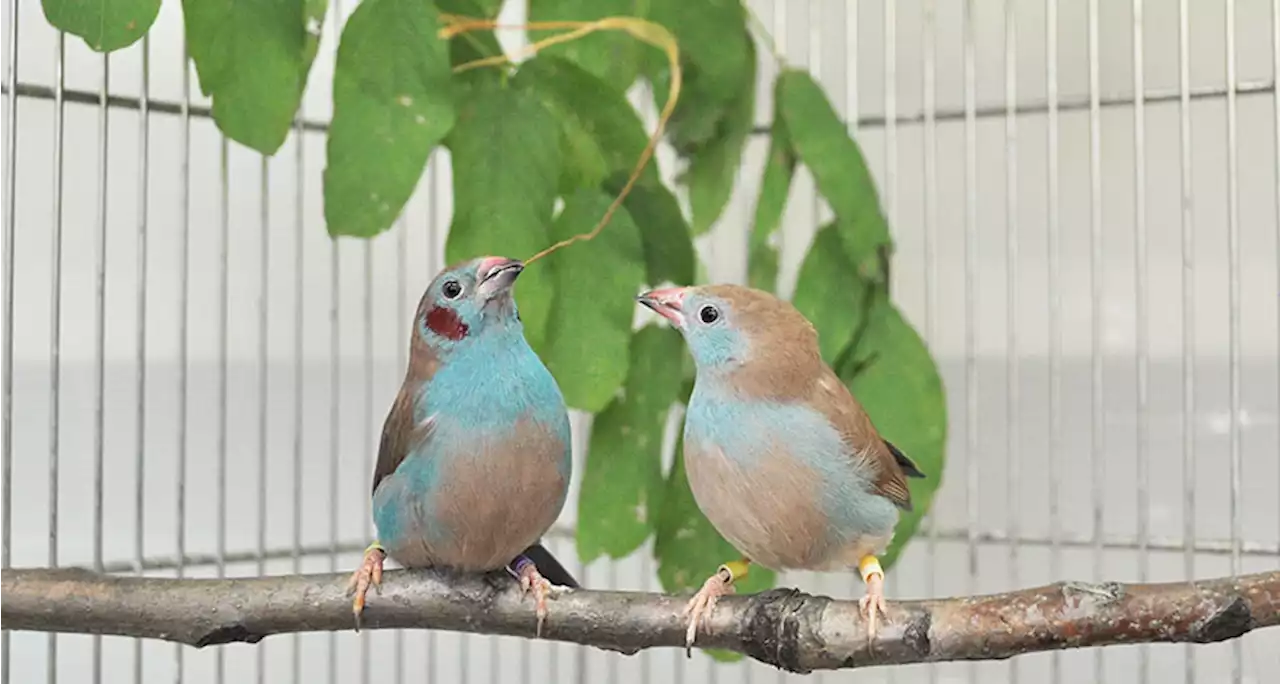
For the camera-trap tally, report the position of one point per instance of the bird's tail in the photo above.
(549, 567)
(908, 466)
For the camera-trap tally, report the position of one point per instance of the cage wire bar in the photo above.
(950, 114)
(1188, 310)
(55, 333)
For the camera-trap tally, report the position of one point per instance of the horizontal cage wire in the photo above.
(1085, 201)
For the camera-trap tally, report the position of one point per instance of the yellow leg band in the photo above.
(735, 569)
(375, 545)
(868, 566)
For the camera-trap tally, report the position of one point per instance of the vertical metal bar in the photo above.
(890, 115)
(814, 62)
(402, 357)
(851, 64)
(1097, 427)
(1140, 310)
(972, 473)
(220, 551)
(1013, 473)
(1188, 316)
(1275, 73)
(433, 260)
(184, 351)
(646, 564)
(55, 332)
(612, 663)
(335, 383)
(852, 110)
(100, 341)
(299, 291)
(10, 225)
(780, 40)
(140, 456)
(929, 98)
(264, 302)
(580, 652)
(1053, 240)
(367, 430)
(1234, 313)
(890, 57)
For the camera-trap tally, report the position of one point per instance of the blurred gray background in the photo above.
(296, 344)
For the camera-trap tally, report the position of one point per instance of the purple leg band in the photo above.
(518, 565)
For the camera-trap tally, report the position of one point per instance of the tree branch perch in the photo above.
(783, 627)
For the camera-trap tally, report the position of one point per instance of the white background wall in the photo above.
(282, 448)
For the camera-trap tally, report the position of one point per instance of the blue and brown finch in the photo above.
(780, 456)
(475, 458)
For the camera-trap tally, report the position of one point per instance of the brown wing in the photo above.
(840, 407)
(400, 434)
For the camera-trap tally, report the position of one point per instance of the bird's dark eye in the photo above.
(708, 314)
(451, 289)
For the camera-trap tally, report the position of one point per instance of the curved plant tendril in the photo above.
(645, 31)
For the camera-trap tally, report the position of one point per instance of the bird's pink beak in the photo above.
(668, 303)
(497, 274)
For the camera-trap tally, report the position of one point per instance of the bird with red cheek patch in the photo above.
(781, 458)
(474, 463)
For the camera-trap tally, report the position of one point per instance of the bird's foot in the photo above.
(532, 581)
(698, 610)
(872, 604)
(369, 573)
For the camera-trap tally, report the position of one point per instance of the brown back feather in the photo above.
(787, 366)
(400, 433)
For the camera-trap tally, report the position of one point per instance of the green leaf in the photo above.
(829, 293)
(393, 101)
(688, 547)
(488, 8)
(714, 56)
(601, 132)
(506, 158)
(313, 12)
(775, 188)
(668, 246)
(252, 58)
(899, 385)
(713, 167)
(839, 169)
(589, 329)
(622, 485)
(105, 25)
(609, 55)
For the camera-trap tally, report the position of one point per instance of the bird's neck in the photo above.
(493, 378)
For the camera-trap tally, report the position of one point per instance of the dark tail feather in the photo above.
(549, 567)
(908, 467)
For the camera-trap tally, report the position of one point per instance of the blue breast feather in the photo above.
(746, 430)
(479, 394)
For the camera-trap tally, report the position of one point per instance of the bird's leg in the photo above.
(699, 608)
(873, 602)
(532, 580)
(369, 572)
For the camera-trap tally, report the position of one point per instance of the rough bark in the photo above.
(783, 627)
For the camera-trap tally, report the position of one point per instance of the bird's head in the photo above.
(727, 326)
(467, 300)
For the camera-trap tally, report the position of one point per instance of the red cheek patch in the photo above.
(445, 323)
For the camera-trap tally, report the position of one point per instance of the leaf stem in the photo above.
(764, 35)
(643, 30)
